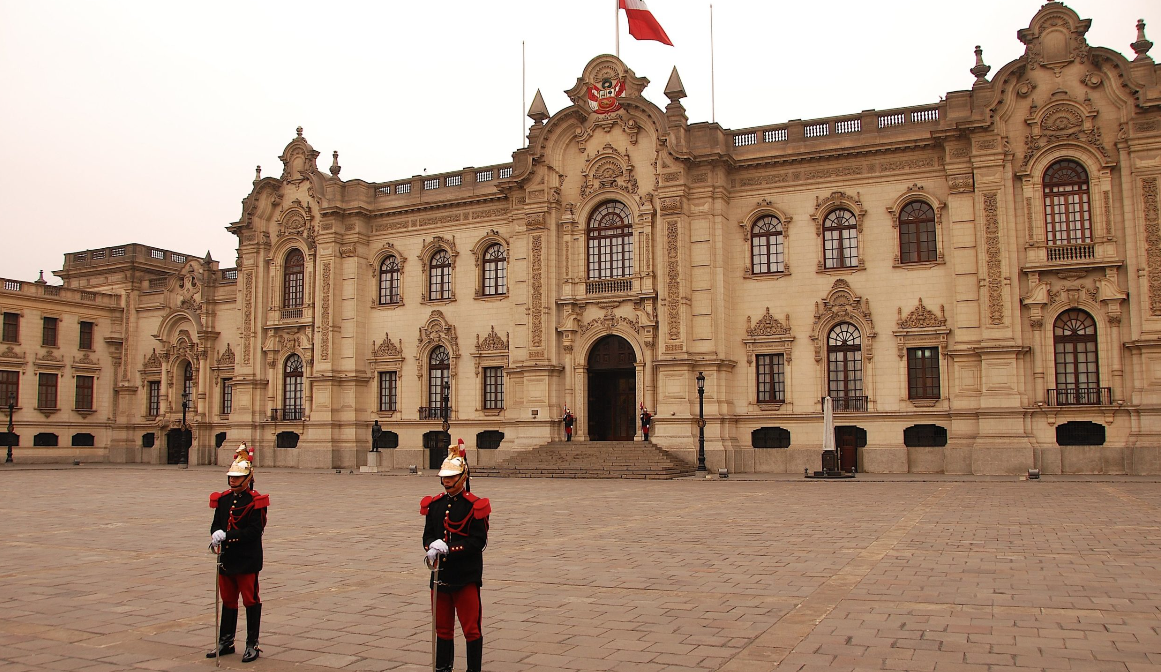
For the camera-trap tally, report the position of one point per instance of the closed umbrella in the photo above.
(827, 423)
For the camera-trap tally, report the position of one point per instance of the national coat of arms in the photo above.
(603, 96)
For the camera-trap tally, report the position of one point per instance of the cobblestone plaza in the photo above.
(104, 568)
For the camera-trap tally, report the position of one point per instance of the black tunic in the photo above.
(242, 548)
(462, 522)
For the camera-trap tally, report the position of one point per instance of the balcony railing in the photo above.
(433, 412)
(292, 313)
(285, 414)
(848, 404)
(615, 286)
(1073, 252)
(1080, 396)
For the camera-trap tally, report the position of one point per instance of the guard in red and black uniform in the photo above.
(455, 535)
(236, 536)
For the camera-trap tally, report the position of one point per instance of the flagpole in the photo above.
(617, 23)
(713, 99)
(523, 93)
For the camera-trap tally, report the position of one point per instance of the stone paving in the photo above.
(104, 568)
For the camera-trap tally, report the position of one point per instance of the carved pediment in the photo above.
(226, 357)
(1055, 38)
(492, 342)
(10, 353)
(299, 159)
(610, 320)
(768, 325)
(1059, 122)
(609, 169)
(842, 304)
(152, 361)
(437, 331)
(922, 318)
(386, 349)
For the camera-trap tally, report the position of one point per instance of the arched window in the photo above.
(438, 373)
(610, 236)
(292, 388)
(840, 239)
(917, 233)
(389, 281)
(1066, 211)
(187, 383)
(844, 352)
(439, 277)
(1074, 338)
(766, 246)
(495, 270)
(293, 271)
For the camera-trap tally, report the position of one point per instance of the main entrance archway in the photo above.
(612, 390)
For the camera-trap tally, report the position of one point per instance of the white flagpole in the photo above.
(617, 23)
(523, 93)
(713, 100)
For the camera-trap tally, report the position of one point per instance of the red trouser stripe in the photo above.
(463, 602)
(231, 585)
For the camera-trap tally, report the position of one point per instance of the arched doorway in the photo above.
(612, 395)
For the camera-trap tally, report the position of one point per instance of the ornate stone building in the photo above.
(976, 282)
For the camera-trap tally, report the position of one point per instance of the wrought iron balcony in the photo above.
(848, 404)
(285, 414)
(612, 286)
(1080, 396)
(433, 412)
(1072, 252)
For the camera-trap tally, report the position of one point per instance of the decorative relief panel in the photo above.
(436, 331)
(247, 317)
(841, 305)
(922, 318)
(226, 357)
(536, 300)
(1152, 243)
(921, 327)
(768, 325)
(993, 258)
(961, 184)
(673, 279)
(325, 317)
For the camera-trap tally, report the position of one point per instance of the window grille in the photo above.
(439, 280)
(46, 390)
(483, 176)
(404, 188)
(505, 173)
(293, 272)
(431, 184)
(389, 281)
(1066, 206)
(453, 181)
(154, 405)
(86, 336)
(292, 388)
(48, 333)
(844, 363)
(9, 387)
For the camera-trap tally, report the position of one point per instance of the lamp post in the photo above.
(11, 429)
(183, 461)
(700, 422)
(444, 413)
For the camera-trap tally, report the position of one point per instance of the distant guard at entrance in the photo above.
(569, 420)
(646, 421)
(455, 535)
(236, 536)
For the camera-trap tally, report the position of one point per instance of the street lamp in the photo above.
(700, 422)
(444, 410)
(11, 407)
(183, 462)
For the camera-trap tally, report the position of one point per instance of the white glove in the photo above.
(432, 554)
(439, 546)
(217, 537)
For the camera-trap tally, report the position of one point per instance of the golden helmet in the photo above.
(456, 462)
(243, 464)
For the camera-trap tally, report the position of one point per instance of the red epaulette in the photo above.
(425, 503)
(214, 498)
(481, 508)
(261, 501)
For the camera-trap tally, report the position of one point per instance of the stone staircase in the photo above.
(590, 459)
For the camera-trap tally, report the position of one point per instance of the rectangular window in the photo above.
(771, 379)
(493, 387)
(154, 409)
(84, 398)
(922, 373)
(9, 387)
(86, 341)
(227, 395)
(11, 332)
(46, 391)
(48, 335)
(388, 390)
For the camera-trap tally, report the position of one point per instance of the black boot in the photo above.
(253, 624)
(475, 654)
(445, 654)
(226, 630)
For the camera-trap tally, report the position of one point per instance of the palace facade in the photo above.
(975, 282)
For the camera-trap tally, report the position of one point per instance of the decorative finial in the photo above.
(674, 90)
(41, 280)
(299, 131)
(1142, 46)
(538, 111)
(980, 70)
(335, 167)
(257, 173)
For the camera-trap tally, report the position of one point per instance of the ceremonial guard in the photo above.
(569, 419)
(455, 535)
(646, 421)
(236, 536)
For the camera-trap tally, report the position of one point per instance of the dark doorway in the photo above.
(848, 440)
(174, 439)
(612, 401)
(436, 442)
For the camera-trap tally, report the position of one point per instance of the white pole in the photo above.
(523, 93)
(713, 99)
(617, 23)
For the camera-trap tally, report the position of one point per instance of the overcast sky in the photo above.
(143, 121)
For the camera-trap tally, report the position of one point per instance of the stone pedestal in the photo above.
(372, 463)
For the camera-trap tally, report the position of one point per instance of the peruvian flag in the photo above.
(642, 25)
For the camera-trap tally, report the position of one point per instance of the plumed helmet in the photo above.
(456, 462)
(243, 464)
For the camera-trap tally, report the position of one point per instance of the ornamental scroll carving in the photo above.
(536, 301)
(993, 259)
(610, 320)
(922, 318)
(386, 349)
(152, 362)
(1066, 121)
(842, 305)
(226, 358)
(492, 342)
(673, 280)
(247, 316)
(1152, 243)
(325, 337)
(609, 170)
(768, 325)
(437, 331)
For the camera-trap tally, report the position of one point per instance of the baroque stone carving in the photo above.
(152, 361)
(841, 305)
(226, 358)
(993, 258)
(386, 349)
(610, 320)
(610, 169)
(673, 280)
(961, 184)
(325, 317)
(921, 318)
(247, 316)
(768, 325)
(492, 342)
(536, 300)
(1149, 195)
(437, 331)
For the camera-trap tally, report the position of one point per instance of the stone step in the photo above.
(590, 459)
